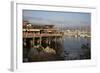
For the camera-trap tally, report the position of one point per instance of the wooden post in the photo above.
(40, 40)
(49, 40)
(33, 41)
(40, 37)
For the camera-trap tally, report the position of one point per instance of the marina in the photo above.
(56, 36)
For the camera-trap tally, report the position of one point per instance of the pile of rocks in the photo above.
(49, 50)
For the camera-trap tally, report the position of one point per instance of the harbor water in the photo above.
(74, 48)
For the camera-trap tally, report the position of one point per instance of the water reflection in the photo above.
(76, 48)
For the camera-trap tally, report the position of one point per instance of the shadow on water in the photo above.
(37, 53)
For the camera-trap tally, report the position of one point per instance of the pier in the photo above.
(40, 38)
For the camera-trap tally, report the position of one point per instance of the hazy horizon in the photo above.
(58, 18)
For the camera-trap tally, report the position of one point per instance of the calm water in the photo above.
(72, 47)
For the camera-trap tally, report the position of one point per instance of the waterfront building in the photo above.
(33, 32)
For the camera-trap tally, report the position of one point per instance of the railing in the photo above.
(40, 35)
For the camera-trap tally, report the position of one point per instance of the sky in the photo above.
(57, 18)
